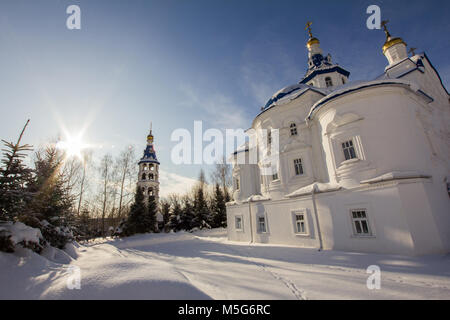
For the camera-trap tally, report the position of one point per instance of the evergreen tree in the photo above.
(174, 220)
(227, 196)
(218, 209)
(137, 215)
(14, 179)
(152, 210)
(201, 210)
(165, 211)
(52, 199)
(187, 215)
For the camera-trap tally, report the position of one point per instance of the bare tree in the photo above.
(125, 165)
(87, 158)
(222, 175)
(105, 175)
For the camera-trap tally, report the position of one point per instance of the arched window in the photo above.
(328, 82)
(145, 167)
(269, 137)
(152, 167)
(143, 176)
(293, 128)
(343, 80)
(150, 176)
(150, 192)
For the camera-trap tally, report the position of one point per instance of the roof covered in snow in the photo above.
(290, 93)
(359, 85)
(316, 187)
(391, 75)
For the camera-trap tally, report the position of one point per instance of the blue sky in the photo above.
(173, 62)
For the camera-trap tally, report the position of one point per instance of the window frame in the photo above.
(370, 233)
(296, 223)
(241, 223)
(259, 224)
(330, 84)
(349, 145)
(305, 214)
(302, 170)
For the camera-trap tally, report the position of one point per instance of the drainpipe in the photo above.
(319, 233)
(250, 215)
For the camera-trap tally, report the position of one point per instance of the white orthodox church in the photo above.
(363, 166)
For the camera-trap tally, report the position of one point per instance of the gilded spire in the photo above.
(308, 26)
(390, 41)
(383, 24)
(311, 40)
(150, 135)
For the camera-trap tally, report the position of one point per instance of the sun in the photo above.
(72, 146)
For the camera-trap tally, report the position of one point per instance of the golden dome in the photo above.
(312, 41)
(391, 42)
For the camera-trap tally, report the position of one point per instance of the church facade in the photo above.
(363, 166)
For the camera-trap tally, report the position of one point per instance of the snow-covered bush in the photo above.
(56, 235)
(14, 234)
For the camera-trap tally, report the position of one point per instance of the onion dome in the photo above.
(390, 41)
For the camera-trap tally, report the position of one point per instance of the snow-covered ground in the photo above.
(204, 265)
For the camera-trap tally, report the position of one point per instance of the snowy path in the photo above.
(207, 266)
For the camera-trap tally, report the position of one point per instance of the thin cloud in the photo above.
(174, 183)
(219, 110)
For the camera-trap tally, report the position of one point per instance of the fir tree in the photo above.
(165, 211)
(152, 210)
(14, 179)
(187, 215)
(137, 214)
(201, 210)
(174, 220)
(52, 199)
(218, 209)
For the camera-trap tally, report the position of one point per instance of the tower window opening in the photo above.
(150, 192)
(298, 167)
(151, 176)
(328, 82)
(293, 128)
(343, 80)
(143, 176)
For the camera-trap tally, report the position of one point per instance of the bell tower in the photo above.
(148, 178)
(322, 72)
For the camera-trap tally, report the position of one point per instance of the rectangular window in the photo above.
(300, 226)
(274, 172)
(237, 184)
(262, 224)
(349, 150)
(360, 222)
(238, 223)
(298, 167)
